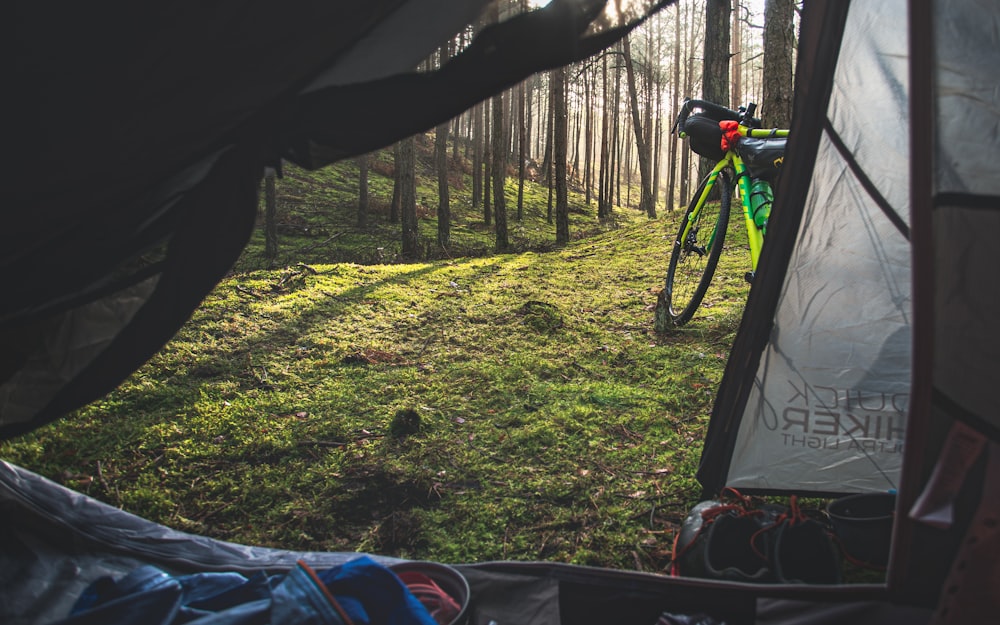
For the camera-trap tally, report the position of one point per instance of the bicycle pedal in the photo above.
(748, 276)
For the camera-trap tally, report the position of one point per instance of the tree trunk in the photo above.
(577, 122)
(737, 56)
(616, 153)
(499, 174)
(674, 109)
(441, 164)
(559, 156)
(529, 96)
(657, 139)
(522, 150)
(363, 190)
(549, 162)
(408, 198)
(270, 218)
(588, 153)
(444, 201)
(547, 158)
(779, 44)
(647, 203)
(396, 183)
(715, 71)
(477, 156)
(487, 165)
(649, 127)
(603, 191)
(689, 78)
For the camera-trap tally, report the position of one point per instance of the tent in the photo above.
(141, 133)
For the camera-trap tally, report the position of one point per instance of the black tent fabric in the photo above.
(142, 134)
(56, 542)
(145, 131)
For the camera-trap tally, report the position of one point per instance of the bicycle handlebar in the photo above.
(744, 115)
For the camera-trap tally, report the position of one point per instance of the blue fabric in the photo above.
(364, 593)
(387, 598)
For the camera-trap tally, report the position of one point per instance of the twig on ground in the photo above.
(248, 292)
(321, 243)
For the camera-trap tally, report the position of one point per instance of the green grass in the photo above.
(468, 407)
(550, 421)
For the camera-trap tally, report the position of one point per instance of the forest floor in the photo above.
(474, 408)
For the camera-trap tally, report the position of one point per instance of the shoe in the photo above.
(804, 553)
(800, 550)
(716, 541)
(729, 549)
(688, 558)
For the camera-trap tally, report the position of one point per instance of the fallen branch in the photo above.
(321, 243)
(247, 292)
(336, 444)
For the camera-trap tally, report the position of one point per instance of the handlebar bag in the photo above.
(763, 157)
(704, 135)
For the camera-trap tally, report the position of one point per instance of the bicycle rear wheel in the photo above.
(694, 256)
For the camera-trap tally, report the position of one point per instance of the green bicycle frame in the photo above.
(755, 235)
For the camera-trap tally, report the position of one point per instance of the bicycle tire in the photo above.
(693, 262)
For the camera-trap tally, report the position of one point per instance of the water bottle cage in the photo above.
(761, 197)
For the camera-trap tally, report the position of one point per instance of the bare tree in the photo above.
(604, 188)
(589, 75)
(615, 193)
(675, 105)
(522, 149)
(499, 174)
(558, 77)
(441, 164)
(715, 70)
(779, 44)
(689, 77)
(444, 200)
(487, 164)
(477, 155)
(647, 202)
(270, 217)
(396, 184)
(548, 163)
(654, 79)
(408, 197)
(737, 55)
(362, 217)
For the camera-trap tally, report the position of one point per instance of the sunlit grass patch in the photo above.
(547, 419)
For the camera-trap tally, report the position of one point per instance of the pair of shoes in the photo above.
(765, 544)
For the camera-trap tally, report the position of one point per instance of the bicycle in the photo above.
(745, 154)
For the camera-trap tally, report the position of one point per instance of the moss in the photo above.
(553, 422)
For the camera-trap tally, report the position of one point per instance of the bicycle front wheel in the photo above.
(695, 253)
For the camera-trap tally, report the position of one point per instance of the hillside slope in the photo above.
(512, 406)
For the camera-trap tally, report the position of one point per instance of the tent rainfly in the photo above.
(866, 360)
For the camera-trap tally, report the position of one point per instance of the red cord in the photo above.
(440, 604)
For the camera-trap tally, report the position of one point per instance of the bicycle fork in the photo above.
(689, 239)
